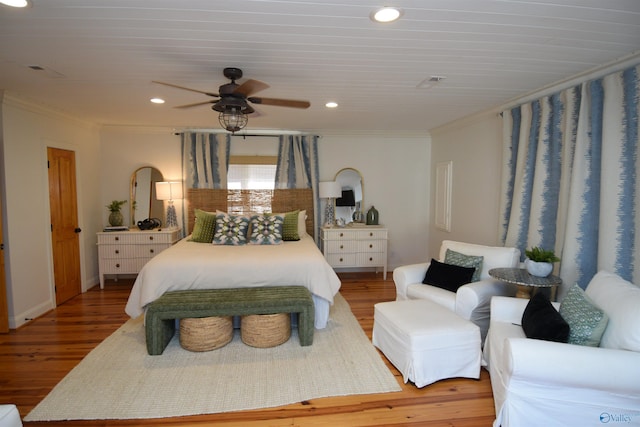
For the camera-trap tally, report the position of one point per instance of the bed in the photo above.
(191, 265)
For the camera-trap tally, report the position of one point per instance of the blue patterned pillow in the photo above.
(230, 230)
(266, 229)
(587, 321)
(462, 260)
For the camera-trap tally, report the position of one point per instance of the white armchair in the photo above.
(472, 301)
(538, 382)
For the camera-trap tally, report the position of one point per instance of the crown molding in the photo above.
(13, 100)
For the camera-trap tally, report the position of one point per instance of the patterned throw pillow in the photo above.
(266, 229)
(204, 227)
(462, 260)
(230, 230)
(587, 322)
(290, 226)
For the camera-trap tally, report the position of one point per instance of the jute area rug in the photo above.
(118, 380)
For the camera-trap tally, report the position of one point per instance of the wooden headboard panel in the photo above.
(250, 201)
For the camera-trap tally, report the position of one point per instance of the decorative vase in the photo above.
(372, 216)
(539, 269)
(115, 219)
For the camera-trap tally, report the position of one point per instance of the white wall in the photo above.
(474, 145)
(395, 171)
(125, 149)
(27, 131)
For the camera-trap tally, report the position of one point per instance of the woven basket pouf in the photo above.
(206, 333)
(265, 330)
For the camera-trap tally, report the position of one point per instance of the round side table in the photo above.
(526, 282)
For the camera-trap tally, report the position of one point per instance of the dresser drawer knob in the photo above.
(150, 237)
(341, 234)
(370, 246)
(151, 250)
(117, 238)
(117, 265)
(370, 259)
(341, 260)
(117, 251)
(341, 246)
(370, 234)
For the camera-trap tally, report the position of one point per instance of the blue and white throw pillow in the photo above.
(266, 229)
(230, 230)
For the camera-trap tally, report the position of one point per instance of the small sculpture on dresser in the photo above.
(372, 216)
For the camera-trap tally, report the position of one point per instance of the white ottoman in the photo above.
(426, 342)
(9, 416)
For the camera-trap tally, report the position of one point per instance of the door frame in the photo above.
(47, 227)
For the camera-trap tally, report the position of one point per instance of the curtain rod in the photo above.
(256, 132)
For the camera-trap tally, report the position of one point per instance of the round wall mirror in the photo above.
(349, 206)
(143, 203)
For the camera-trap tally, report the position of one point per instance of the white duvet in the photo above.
(190, 265)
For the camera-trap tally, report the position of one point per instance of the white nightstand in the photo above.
(356, 247)
(126, 252)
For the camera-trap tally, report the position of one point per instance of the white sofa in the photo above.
(544, 383)
(471, 301)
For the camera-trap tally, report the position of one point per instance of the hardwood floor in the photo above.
(37, 356)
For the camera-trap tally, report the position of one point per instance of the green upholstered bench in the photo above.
(161, 314)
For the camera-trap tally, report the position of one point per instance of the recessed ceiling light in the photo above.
(15, 3)
(157, 100)
(386, 14)
(331, 104)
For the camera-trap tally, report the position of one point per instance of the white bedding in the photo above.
(190, 265)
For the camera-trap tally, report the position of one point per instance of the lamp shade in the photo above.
(330, 190)
(170, 190)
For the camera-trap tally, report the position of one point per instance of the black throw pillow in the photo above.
(447, 276)
(543, 322)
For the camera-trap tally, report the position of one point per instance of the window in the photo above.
(251, 177)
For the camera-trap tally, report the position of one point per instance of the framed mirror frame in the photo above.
(350, 179)
(143, 203)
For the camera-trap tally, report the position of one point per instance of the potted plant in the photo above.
(540, 261)
(115, 217)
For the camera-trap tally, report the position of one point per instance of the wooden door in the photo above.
(64, 223)
(4, 310)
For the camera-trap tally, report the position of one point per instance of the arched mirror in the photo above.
(143, 203)
(349, 206)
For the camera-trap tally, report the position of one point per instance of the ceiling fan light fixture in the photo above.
(157, 100)
(386, 14)
(233, 119)
(331, 104)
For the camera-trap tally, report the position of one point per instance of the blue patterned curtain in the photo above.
(570, 177)
(298, 166)
(205, 159)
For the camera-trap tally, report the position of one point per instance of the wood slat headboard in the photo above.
(250, 201)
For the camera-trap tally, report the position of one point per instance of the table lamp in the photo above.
(169, 191)
(329, 190)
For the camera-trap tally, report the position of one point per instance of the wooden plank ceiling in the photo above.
(98, 58)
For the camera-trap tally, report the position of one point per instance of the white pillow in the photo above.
(621, 301)
(302, 224)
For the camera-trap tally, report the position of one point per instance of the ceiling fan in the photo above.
(232, 100)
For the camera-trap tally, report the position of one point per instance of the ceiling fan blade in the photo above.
(250, 87)
(195, 104)
(280, 102)
(185, 88)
